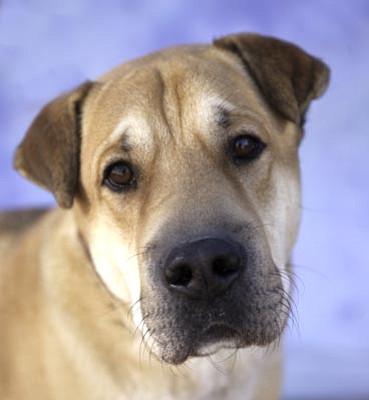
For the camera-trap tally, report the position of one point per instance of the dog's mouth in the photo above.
(203, 342)
(189, 330)
(217, 336)
(218, 332)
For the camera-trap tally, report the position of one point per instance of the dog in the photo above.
(164, 273)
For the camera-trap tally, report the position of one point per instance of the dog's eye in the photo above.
(246, 148)
(119, 176)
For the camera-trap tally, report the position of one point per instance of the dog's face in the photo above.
(187, 195)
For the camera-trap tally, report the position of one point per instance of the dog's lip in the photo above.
(215, 337)
(219, 331)
(205, 342)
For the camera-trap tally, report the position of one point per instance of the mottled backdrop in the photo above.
(49, 46)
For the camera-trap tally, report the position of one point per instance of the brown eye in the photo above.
(119, 176)
(246, 148)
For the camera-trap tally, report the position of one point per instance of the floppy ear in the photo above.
(49, 153)
(288, 77)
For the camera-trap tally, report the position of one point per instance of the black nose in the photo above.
(205, 267)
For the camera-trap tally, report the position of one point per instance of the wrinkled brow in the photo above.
(125, 143)
(223, 117)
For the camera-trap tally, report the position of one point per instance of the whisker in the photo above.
(217, 363)
(311, 270)
(130, 311)
(143, 343)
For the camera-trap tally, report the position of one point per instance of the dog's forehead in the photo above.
(183, 89)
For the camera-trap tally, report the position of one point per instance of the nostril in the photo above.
(225, 266)
(203, 268)
(179, 275)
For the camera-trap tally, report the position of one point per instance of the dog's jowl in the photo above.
(164, 272)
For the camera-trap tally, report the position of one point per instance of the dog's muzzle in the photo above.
(210, 292)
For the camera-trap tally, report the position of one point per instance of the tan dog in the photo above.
(177, 178)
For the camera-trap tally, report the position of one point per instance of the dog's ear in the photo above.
(49, 153)
(288, 77)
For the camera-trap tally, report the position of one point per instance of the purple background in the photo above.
(48, 46)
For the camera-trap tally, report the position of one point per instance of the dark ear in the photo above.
(288, 77)
(49, 153)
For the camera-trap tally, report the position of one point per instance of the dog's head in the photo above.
(182, 170)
